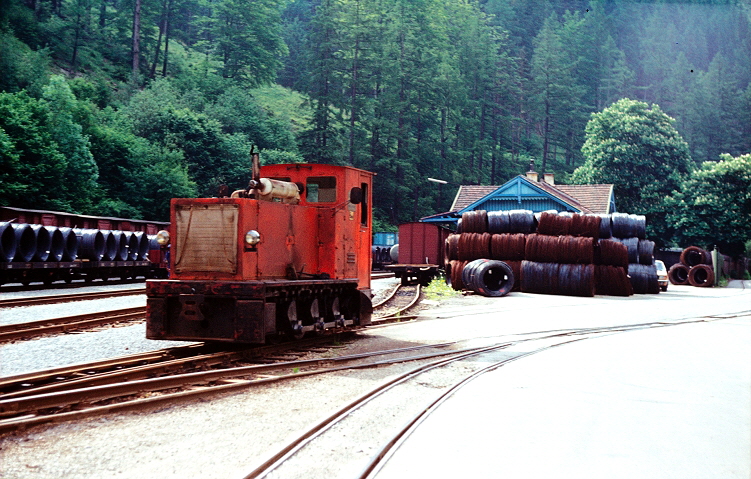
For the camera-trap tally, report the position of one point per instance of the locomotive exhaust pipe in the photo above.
(267, 189)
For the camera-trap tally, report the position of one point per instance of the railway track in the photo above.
(46, 396)
(79, 322)
(24, 407)
(65, 298)
(140, 381)
(410, 397)
(391, 310)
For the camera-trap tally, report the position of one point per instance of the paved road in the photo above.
(672, 402)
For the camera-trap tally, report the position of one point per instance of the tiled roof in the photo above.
(587, 198)
(595, 198)
(468, 194)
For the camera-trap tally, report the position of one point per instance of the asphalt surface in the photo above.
(663, 403)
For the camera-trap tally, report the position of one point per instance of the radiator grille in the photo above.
(206, 238)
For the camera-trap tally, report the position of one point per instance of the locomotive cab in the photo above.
(288, 255)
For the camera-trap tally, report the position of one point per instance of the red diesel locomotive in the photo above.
(287, 255)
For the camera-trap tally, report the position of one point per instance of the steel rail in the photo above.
(395, 315)
(64, 298)
(69, 323)
(32, 410)
(278, 458)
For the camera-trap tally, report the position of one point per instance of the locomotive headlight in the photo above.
(252, 237)
(162, 237)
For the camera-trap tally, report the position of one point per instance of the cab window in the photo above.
(320, 189)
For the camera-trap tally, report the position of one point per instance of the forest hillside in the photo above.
(112, 107)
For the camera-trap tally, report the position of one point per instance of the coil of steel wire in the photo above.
(475, 221)
(611, 252)
(678, 274)
(645, 251)
(632, 246)
(693, 255)
(539, 277)
(499, 222)
(612, 281)
(451, 250)
(576, 249)
(473, 246)
(508, 246)
(606, 226)
(488, 277)
(643, 278)
(585, 225)
(522, 221)
(70, 242)
(554, 224)
(454, 274)
(542, 248)
(629, 226)
(26, 242)
(7, 242)
(576, 280)
(701, 275)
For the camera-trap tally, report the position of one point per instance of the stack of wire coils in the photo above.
(552, 253)
(695, 268)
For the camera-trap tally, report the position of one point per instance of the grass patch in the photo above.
(438, 289)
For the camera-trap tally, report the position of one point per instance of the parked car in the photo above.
(662, 275)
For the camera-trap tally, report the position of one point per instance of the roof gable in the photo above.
(522, 193)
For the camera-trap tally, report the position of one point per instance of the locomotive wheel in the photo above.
(295, 324)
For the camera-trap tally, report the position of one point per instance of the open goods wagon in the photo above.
(47, 246)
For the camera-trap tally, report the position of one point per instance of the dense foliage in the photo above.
(637, 149)
(111, 107)
(713, 207)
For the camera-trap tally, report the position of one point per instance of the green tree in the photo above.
(247, 39)
(79, 179)
(635, 147)
(713, 206)
(35, 165)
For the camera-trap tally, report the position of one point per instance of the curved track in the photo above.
(412, 397)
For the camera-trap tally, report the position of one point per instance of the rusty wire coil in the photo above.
(611, 252)
(451, 250)
(473, 246)
(577, 250)
(464, 249)
(645, 250)
(612, 281)
(554, 224)
(643, 278)
(585, 225)
(678, 273)
(693, 255)
(516, 268)
(542, 248)
(454, 274)
(508, 246)
(701, 275)
(475, 221)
